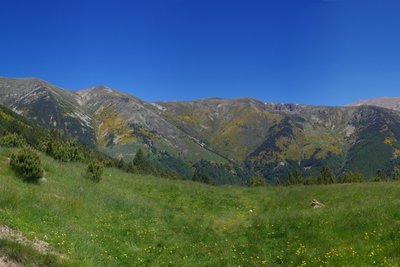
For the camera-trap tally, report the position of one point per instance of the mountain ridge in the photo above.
(385, 102)
(270, 138)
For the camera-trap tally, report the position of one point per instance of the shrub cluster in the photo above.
(220, 173)
(201, 177)
(94, 171)
(139, 164)
(351, 177)
(63, 150)
(257, 180)
(12, 140)
(26, 163)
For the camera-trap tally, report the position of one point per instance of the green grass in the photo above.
(134, 220)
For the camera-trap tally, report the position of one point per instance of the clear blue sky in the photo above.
(329, 52)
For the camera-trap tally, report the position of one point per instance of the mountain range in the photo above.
(269, 138)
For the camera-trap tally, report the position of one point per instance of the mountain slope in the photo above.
(48, 106)
(333, 137)
(276, 138)
(123, 122)
(232, 127)
(272, 139)
(100, 116)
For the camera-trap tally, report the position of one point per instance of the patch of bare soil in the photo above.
(8, 233)
(11, 234)
(5, 262)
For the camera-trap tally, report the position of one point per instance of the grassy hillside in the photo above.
(133, 220)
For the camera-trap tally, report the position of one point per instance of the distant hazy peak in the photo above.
(28, 79)
(24, 81)
(385, 102)
(213, 100)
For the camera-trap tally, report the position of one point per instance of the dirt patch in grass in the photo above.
(8, 233)
(6, 262)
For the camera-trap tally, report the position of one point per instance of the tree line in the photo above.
(326, 176)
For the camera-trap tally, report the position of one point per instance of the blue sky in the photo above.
(328, 52)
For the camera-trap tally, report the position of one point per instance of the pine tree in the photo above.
(120, 163)
(396, 173)
(139, 158)
(380, 176)
(295, 177)
(141, 164)
(326, 176)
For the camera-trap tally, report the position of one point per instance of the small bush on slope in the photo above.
(257, 180)
(26, 163)
(94, 171)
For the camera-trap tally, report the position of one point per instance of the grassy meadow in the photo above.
(136, 220)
